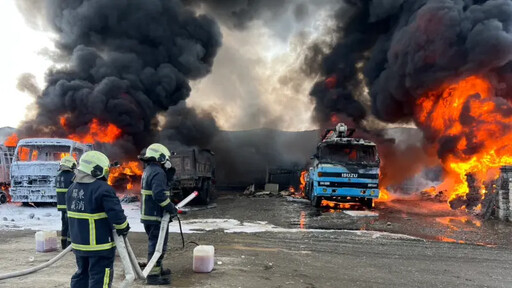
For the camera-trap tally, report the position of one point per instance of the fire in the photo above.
(98, 132)
(302, 186)
(12, 140)
(473, 120)
(384, 195)
(125, 175)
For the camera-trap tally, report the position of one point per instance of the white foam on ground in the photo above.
(48, 218)
(361, 213)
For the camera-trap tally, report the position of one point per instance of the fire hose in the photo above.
(37, 268)
(128, 258)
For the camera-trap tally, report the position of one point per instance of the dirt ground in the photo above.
(315, 248)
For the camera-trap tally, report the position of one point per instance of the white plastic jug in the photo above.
(203, 259)
(46, 241)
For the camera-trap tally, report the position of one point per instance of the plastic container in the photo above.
(203, 259)
(46, 241)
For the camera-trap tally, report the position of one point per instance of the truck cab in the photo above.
(35, 166)
(344, 169)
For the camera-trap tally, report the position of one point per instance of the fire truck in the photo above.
(35, 165)
(344, 169)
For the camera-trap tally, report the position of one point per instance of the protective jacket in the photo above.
(93, 211)
(62, 182)
(155, 194)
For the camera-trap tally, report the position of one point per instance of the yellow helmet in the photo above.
(159, 152)
(68, 162)
(95, 164)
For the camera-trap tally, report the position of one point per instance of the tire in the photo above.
(368, 203)
(3, 197)
(316, 201)
(204, 193)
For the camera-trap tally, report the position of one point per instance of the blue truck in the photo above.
(344, 169)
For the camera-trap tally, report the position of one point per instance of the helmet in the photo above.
(95, 164)
(68, 162)
(159, 152)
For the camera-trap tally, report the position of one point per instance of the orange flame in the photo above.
(98, 132)
(130, 171)
(483, 146)
(12, 140)
(302, 181)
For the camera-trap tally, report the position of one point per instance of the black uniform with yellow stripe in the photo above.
(62, 182)
(155, 194)
(93, 211)
(155, 200)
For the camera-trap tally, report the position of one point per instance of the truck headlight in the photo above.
(320, 174)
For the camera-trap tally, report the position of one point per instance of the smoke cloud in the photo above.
(120, 62)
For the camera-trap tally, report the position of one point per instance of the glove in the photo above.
(171, 209)
(124, 231)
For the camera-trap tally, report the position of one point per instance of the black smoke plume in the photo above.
(121, 62)
(407, 48)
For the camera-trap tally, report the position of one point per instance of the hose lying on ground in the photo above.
(38, 267)
(125, 259)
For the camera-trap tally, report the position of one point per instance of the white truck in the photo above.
(35, 166)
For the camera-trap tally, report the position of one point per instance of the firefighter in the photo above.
(155, 200)
(62, 182)
(93, 211)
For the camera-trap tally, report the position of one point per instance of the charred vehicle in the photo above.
(6, 156)
(35, 165)
(344, 169)
(194, 171)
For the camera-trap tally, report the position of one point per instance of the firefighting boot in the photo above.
(157, 280)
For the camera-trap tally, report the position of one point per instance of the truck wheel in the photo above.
(204, 193)
(369, 203)
(316, 201)
(3, 197)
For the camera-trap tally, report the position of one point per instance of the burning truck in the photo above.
(344, 169)
(35, 165)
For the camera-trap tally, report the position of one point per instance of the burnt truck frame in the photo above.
(33, 179)
(194, 171)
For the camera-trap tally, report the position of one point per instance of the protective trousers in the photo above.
(93, 272)
(65, 241)
(153, 230)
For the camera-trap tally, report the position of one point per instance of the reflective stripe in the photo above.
(93, 247)
(92, 227)
(61, 207)
(92, 232)
(122, 226)
(150, 218)
(167, 201)
(106, 280)
(96, 216)
(150, 193)
(61, 190)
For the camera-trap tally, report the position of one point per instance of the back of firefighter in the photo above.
(62, 182)
(155, 200)
(93, 211)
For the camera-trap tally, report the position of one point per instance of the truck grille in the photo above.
(348, 185)
(340, 175)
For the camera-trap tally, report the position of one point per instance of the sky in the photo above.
(266, 91)
(19, 53)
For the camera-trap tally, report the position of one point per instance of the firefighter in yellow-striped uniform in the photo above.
(155, 200)
(62, 182)
(93, 212)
